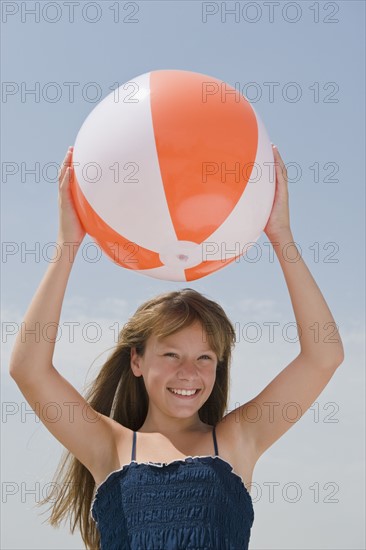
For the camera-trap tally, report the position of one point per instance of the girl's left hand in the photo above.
(279, 219)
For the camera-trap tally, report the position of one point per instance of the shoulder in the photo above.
(236, 439)
(109, 457)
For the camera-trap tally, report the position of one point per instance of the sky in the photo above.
(301, 65)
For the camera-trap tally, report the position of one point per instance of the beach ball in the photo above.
(173, 175)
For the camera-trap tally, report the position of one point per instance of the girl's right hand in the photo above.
(70, 227)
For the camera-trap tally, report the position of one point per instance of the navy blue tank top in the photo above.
(195, 503)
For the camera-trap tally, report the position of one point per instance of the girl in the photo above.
(153, 462)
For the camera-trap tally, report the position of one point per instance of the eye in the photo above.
(206, 357)
(169, 354)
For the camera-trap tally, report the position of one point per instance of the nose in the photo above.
(187, 368)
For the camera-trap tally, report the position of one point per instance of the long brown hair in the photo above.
(118, 393)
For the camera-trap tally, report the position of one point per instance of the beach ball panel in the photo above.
(165, 272)
(251, 214)
(122, 251)
(133, 199)
(189, 132)
(206, 268)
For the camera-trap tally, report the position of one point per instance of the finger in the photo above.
(278, 156)
(281, 169)
(66, 162)
(64, 183)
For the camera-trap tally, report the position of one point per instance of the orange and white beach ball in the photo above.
(173, 175)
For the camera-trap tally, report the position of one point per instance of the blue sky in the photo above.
(313, 48)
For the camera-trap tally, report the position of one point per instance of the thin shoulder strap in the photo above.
(215, 441)
(133, 454)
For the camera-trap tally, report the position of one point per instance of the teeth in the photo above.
(183, 392)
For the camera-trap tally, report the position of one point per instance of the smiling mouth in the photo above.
(186, 394)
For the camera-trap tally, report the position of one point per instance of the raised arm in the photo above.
(32, 355)
(31, 364)
(290, 394)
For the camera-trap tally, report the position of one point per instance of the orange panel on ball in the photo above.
(202, 133)
(205, 268)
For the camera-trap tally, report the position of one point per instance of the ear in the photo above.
(135, 362)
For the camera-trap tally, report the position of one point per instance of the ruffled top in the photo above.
(195, 503)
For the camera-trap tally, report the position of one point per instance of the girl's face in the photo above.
(181, 361)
